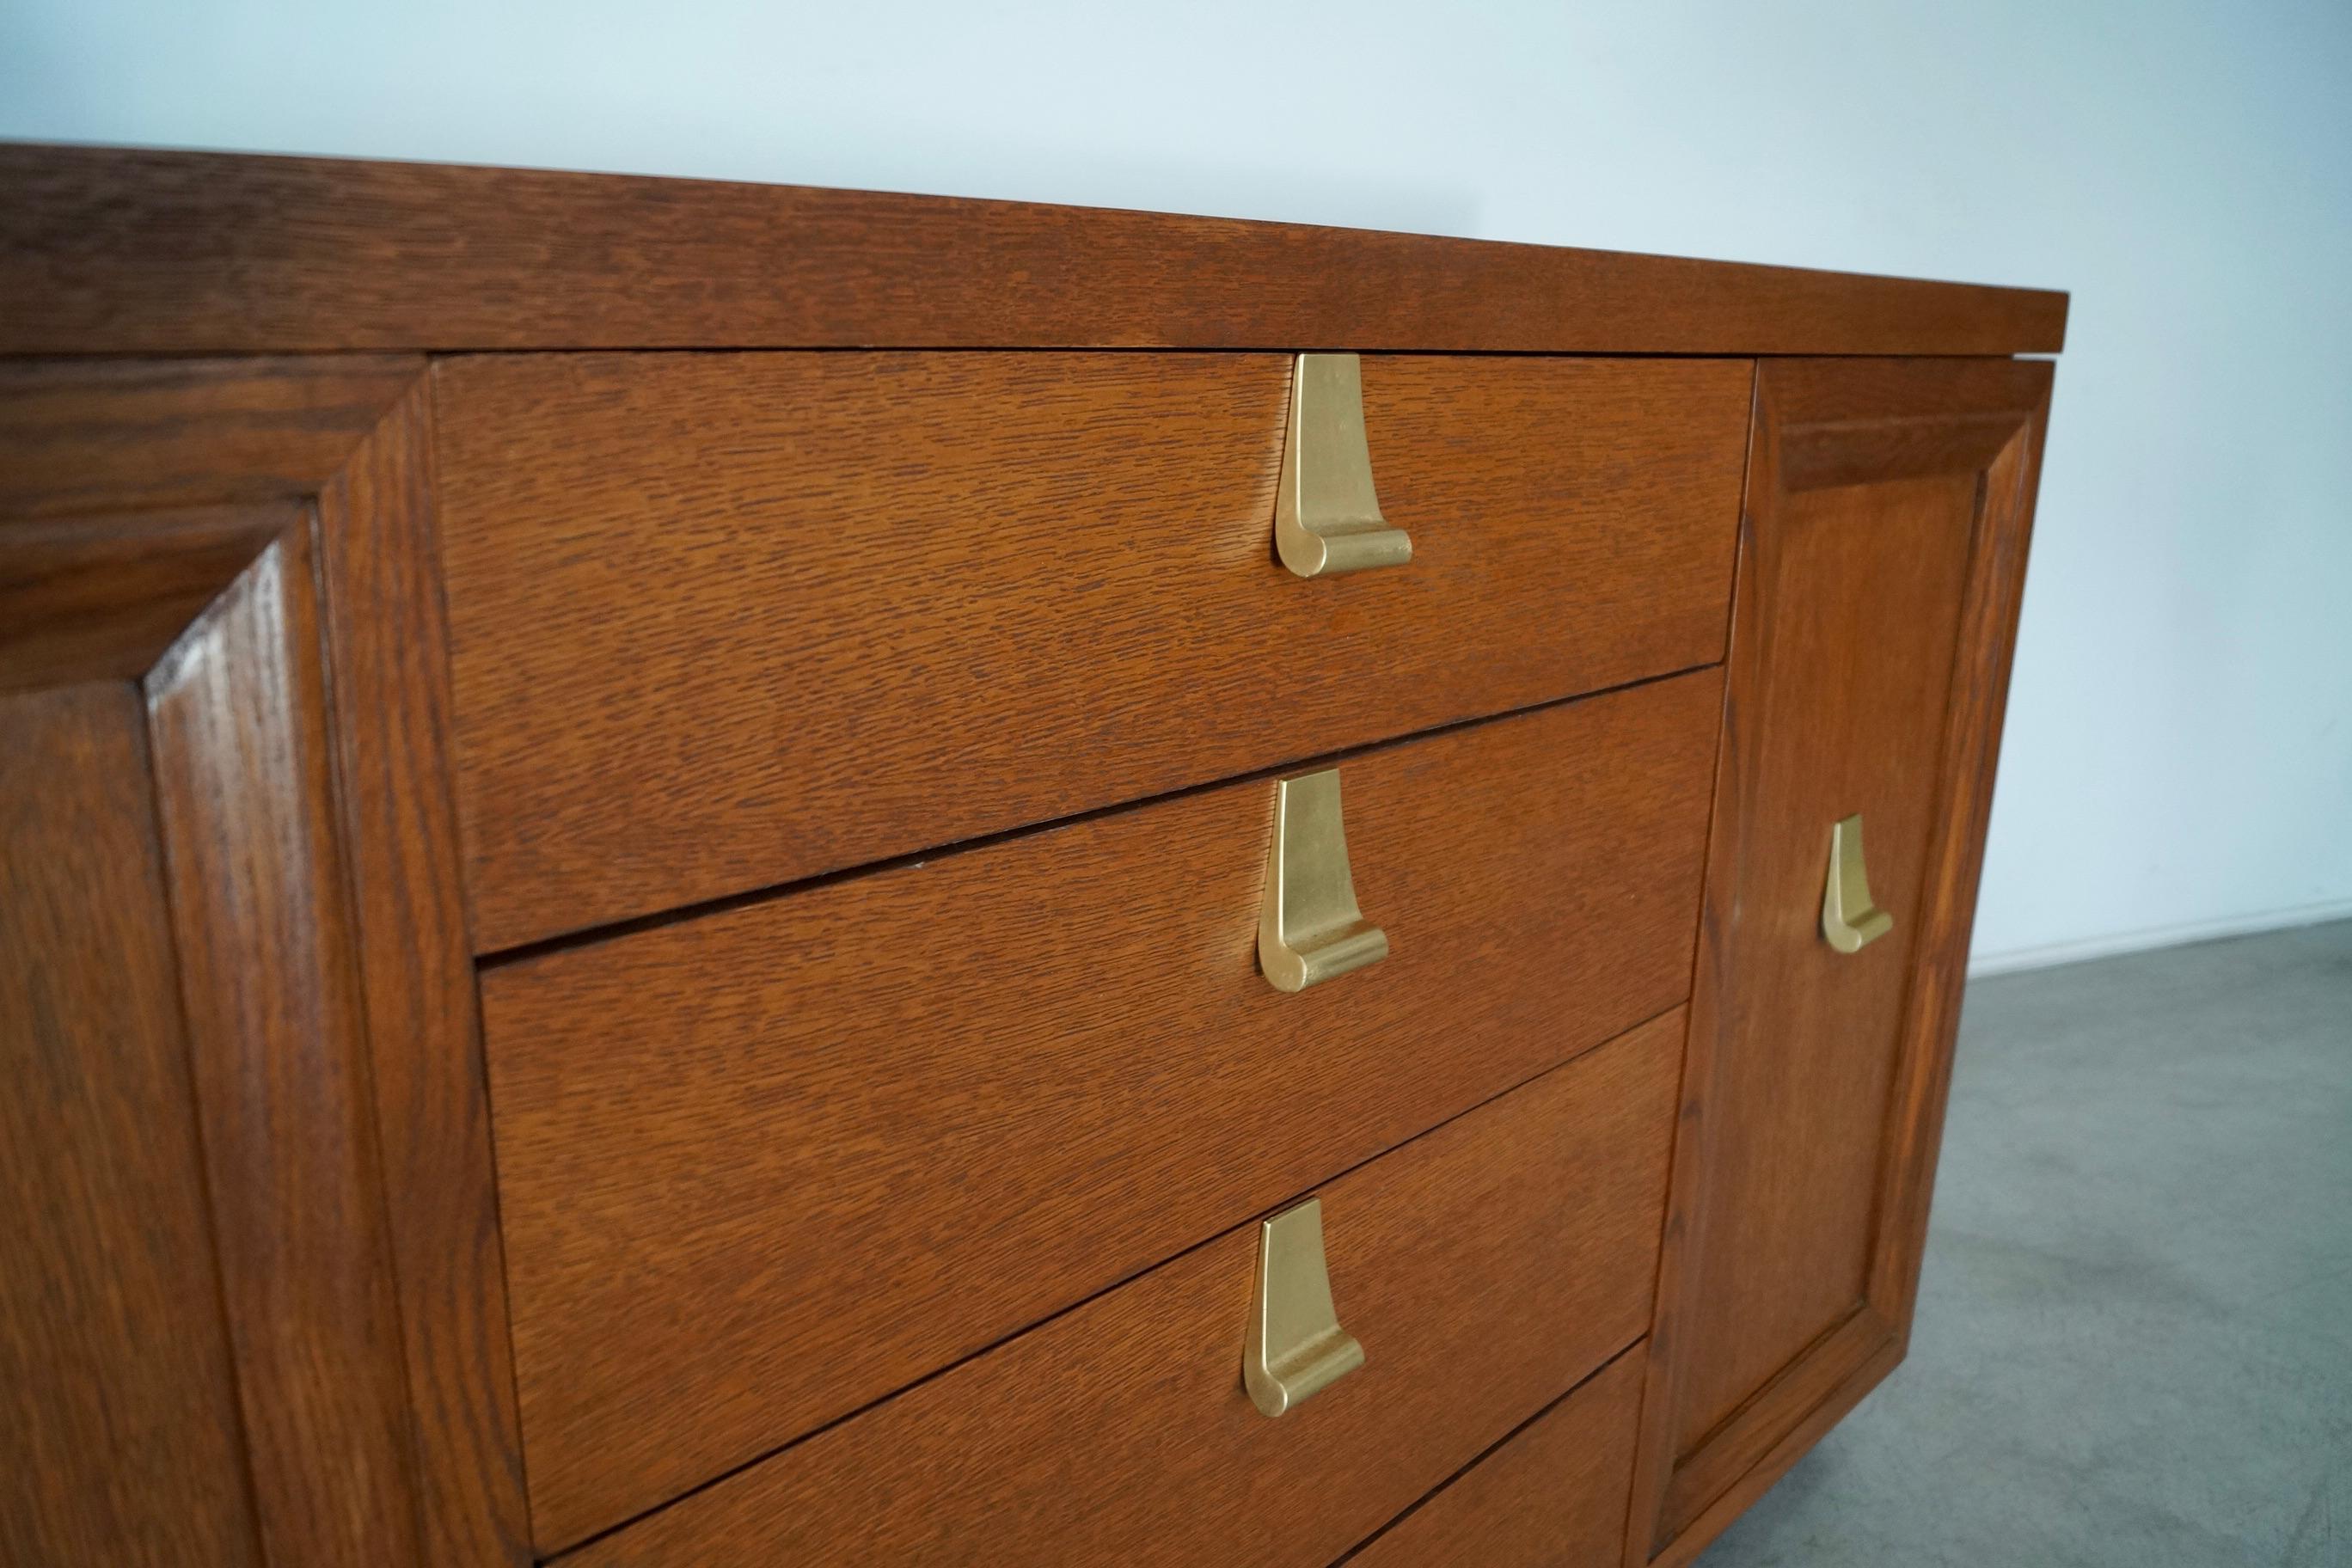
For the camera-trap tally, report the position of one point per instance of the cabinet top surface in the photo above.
(111, 251)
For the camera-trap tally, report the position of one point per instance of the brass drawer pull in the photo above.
(1309, 928)
(1327, 519)
(1848, 920)
(1296, 1348)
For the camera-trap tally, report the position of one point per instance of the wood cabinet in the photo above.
(616, 955)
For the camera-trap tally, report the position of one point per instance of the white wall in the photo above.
(2179, 751)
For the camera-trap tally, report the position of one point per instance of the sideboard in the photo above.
(696, 873)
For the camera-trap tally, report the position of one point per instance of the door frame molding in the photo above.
(250, 545)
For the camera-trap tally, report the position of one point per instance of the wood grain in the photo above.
(314, 852)
(1553, 1495)
(980, 1088)
(119, 1442)
(1805, 1380)
(140, 435)
(109, 250)
(84, 600)
(267, 985)
(1485, 1268)
(1874, 615)
(1858, 599)
(724, 621)
(1796, 1441)
(388, 647)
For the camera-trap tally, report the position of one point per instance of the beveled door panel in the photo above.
(1880, 556)
(118, 1443)
(235, 1010)
(1859, 593)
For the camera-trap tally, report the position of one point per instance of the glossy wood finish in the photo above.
(1552, 1495)
(1888, 507)
(279, 1065)
(107, 251)
(344, 1460)
(83, 602)
(388, 642)
(118, 1444)
(1487, 1267)
(724, 621)
(980, 1088)
(125, 436)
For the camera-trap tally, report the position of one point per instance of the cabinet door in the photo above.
(249, 1306)
(1882, 552)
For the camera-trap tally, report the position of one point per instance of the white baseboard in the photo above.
(2159, 936)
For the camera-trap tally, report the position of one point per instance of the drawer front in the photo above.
(722, 621)
(1484, 1268)
(1553, 1495)
(761, 1168)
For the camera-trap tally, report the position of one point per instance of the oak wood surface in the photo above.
(763, 1167)
(387, 636)
(1485, 1268)
(1858, 600)
(1811, 1426)
(83, 602)
(724, 621)
(1553, 1495)
(119, 1441)
(279, 1060)
(1806, 1379)
(79, 436)
(318, 1000)
(1888, 507)
(108, 250)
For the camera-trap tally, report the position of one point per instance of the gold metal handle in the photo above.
(1296, 1348)
(1848, 920)
(1309, 928)
(1327, 519)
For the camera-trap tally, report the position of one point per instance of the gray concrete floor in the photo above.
(2134, 1343)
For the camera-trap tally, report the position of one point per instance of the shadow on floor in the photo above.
(2134, 1344)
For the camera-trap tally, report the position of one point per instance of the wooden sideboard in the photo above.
(694, 873)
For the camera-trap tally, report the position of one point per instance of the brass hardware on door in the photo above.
(1296, 1348)
(1848, 920)
(1327, 519)
(1308, 928)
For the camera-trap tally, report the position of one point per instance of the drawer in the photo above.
(763, 1167)
(724, 621)
(1552, 1496)
(1485, 1268)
